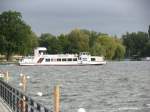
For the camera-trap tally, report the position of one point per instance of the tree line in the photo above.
(17, 37)
(79, 40)
(137, 44)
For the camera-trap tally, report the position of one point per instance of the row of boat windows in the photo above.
(59, 59)
(65, 59)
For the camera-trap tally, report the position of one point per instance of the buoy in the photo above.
(39, 93)
(81, 110)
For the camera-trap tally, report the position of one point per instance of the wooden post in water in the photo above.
(24, 104)
(24, 86)
(21, 79)
(7, 76)
(23, 82)
(57, 98)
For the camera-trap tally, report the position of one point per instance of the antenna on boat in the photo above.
(56, 98)
(149, 32)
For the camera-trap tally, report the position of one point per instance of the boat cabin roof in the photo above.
(41, 49)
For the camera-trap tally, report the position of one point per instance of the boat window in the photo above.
(92, 59)
(59, 59)
(52, 60)
(42, 52)
(64, 59)
(74, 59)
(47, 60)
(84, 59)
(69, 59)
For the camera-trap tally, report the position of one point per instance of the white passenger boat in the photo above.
(40, 58)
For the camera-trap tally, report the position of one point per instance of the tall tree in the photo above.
(109, 45)
(135, 43)
(119, 52)
(44, 39)
(97, 49)
(16, 36)
(55, 46)
(146, 52)
(51, 43)
(79, 41)
(64, 42)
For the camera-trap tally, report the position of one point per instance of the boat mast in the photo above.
(149, 32)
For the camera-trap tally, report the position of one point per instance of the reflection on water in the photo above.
(114, 87)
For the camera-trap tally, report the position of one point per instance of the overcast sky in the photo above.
(61, 16)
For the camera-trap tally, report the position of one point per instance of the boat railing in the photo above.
(28, 57)
(84, 53)
(11, 96)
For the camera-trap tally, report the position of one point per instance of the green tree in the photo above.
(79, 41)
(146, 52)
(64, 42)
(54, 46)
(97, 49)
(33, 42)
(135, 43)
(44, 40)
(51, 43)
(92, 38)
(16, 36)
(119, 52)
(109, 45)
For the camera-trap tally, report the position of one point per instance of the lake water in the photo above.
(114, 87)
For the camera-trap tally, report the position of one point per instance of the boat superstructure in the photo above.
(41, 58)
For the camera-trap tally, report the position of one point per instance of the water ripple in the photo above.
(114, 87)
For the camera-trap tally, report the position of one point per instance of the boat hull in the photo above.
(62, 64)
